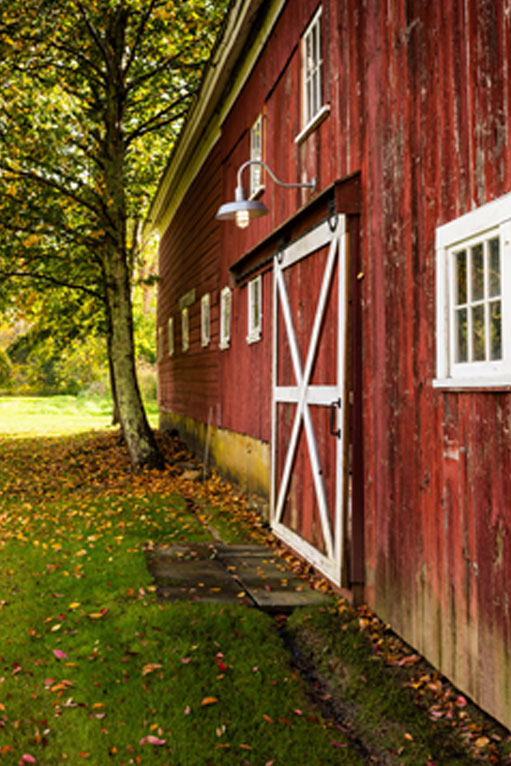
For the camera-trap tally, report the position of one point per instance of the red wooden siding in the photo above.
(437, 486)
(189, 252)
(420, 98)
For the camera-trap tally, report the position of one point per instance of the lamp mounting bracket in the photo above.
(304, 185)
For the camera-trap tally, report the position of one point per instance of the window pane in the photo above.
(495, 330)
(308, 56)
(461, 335)
(257, 302)
(227, 316)
(477, 273)
(171, 336)
(494, 267)
(478, 349)
(461, 277)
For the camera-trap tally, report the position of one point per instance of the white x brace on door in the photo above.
(327, 244)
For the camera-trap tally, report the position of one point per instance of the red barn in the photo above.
(347, 356)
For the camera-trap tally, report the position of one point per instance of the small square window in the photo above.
(255, 311)
(225, 318)
(185, 329)
(205, 319)
(170, 336)
(474, 298)
(256, 153)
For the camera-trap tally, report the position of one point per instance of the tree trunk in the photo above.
(138, 435)
(115, 410)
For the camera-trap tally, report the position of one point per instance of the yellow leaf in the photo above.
(150, 668)
(482, 742)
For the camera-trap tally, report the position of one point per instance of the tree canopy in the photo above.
(93, 93)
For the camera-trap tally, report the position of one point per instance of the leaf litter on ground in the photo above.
(92, 667)
(74, 520)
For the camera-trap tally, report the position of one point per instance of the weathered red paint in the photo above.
(420, 97)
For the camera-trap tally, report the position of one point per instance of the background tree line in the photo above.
(92, 96)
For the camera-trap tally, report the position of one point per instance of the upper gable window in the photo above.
(314, 110)
(256, 153)
(474, 298)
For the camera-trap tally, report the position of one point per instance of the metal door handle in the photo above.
(335, 405)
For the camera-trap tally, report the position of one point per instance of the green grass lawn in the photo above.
(92, 668)
(57, 415)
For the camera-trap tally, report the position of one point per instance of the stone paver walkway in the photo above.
(229, 574)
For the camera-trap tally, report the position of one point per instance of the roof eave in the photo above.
(203, 123)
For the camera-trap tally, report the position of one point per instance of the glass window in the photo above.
(473, 297)
(255, 311)
(312, 70)
(185, 329)
(205, 320)
(225, 318)
(256, 153)
(170, 336)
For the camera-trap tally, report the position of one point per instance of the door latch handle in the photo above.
(333, 407)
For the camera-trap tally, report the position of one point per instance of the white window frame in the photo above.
(205, 315)
(255, 309)
(256, 186)
(170, 336)
(185, 329)
(314, 108)
(492, 220)
(225, 317)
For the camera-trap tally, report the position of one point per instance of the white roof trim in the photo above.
(202, 128)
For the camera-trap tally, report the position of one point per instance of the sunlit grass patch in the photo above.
(56, 415)
(92, 668)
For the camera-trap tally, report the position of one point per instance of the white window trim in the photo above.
(256, 189)
(313, 124)
(170, 336)
(323, 110)
(491, 219)
(225, 318)
(205, 320)
(254, 328)
(185, 329)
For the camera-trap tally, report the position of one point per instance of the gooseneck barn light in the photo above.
(243, 209)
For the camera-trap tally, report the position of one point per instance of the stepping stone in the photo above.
(187, 575)
(181, 552)
(270, 583)
(248, 574)
(247, 551)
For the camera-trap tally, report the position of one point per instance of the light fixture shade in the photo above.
(253, 207)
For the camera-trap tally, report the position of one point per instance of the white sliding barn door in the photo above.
(309, 311)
